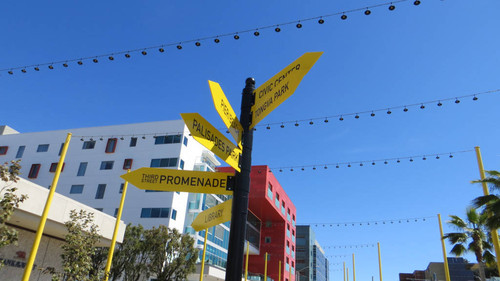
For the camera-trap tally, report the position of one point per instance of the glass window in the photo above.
(267, 240)
(174, 214)
(3, 150)
(88, 144)
(20, 151)
(270, 191)
(100, 191)
(53, 167)
(185, 142)
(42, 148)
(99, 209)
(60, 149)
(127, 164)
(116, 212)
(164, 162)
(107, 165)
(76, 189)
(82, 169)
(181, 165)
(133, 142)
(167, 139)
(121, 188)
(35, 168)
(155, 212)
(111, 145)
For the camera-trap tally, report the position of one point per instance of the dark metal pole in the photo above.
(240, 196)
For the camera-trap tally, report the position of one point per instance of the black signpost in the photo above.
(242, 189)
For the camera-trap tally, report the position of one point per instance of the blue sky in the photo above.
(414, 54)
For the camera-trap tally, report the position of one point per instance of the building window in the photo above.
(267, 240)
(111, 145)
(155, 212)
(164, 162)
(60, 149)
(174, 214)
(167, 139)
(133, 142)
(88, 144)
(76, 189)
(35, 168)
(181, 164)
(185, 142)
(100, 191)
(20, 151)
(127, 164)
(107, 165)
(99, 209)
(42, 148)
(53, 167)
(270, 191)
(116, 212)
(82, 169)
(3, 150)
(121, 188)
(219, 232)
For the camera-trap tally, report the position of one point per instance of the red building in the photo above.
(270, 204)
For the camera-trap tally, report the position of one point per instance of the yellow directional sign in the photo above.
(179, 180)
(211, 138)
(281, 86)
(211, 217)
(226, 112)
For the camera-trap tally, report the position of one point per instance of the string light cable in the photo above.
(127, 54)
(373, 112)
(369, 162)
(368, 223)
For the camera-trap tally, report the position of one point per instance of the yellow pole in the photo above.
(202, 270)
(379, 262)
(353, 269)
(43, 219)
(246, 262)
(279, 272)
(446, 269)
(494, 233)
(265, 268)
(344, 271)
(115, 232)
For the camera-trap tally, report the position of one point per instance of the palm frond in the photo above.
(456, 237)
(457, 222)
(472, 216)
(484, 200)
(489, 258)
(458, 250)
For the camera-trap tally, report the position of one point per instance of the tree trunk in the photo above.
(481, 271)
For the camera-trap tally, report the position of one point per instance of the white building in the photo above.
(26, 219)
(97, 157)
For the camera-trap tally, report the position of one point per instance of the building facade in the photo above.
(270, 226)
(25, 220)
(312, 264)
(96, 158)
(459, 268)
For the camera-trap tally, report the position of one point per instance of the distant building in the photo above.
(459, 268)
(417, 275)
(312, 264)
(26, 219)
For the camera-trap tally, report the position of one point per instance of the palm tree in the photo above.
(491, 203)
(471, 237)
